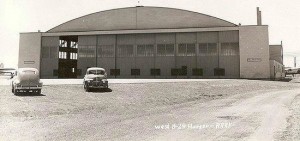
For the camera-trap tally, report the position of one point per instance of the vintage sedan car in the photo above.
(95, 78)
(26, 80)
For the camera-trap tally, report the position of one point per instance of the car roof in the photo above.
(95, 68)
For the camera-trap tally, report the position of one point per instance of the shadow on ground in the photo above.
(101, 90)
(278, 80)
(29, 94)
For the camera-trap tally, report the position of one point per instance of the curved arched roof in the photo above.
(133, 18)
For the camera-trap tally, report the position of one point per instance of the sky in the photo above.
(17, 16)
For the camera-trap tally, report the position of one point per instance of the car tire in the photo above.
(12, 89)
(106, 85)
(86, 88)
(16, 92)
(38, 92)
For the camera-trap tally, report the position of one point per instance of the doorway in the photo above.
(68, 56)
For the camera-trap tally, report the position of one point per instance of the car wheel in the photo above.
(106, 85)
(16, 92)
(86, 88)
(38, 92)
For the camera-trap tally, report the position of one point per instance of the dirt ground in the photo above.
(292, 131)
(206, 110)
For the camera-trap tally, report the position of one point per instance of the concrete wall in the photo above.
(276, 53)
(254, 52)
(30, 50)
(276, 70)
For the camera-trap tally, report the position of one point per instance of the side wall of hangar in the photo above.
(149, 42)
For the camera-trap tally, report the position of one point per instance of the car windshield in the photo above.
(96, 72)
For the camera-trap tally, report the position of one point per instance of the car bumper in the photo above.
(28, 87)
(98, 84)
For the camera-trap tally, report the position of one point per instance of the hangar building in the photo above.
(149, 42)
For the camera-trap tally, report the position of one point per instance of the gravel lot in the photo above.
(292, 132)
(204, 110)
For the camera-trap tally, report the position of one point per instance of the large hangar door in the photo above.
(229, 58)
(67, 64)
(49, 57)
(218, 54)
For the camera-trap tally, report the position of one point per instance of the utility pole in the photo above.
(295, 62)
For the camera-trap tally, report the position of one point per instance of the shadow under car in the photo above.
(29, 94)
(104, 90)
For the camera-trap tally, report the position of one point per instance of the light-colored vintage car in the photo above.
(26, 80)
(95, 78)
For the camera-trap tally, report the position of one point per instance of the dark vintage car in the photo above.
(26, 80)
(95, 78)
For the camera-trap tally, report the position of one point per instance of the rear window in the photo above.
(96, 72)
(29, 72)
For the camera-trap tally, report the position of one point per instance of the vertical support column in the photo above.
(96, 50)
(41, 58)
(176, 52)
(281, 52)
(134, 53)
(68, 48)
(219, 52)
(295, 62)
(154, 55)
(116, 46)
(196, 51)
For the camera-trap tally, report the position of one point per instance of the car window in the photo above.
(96, 72)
